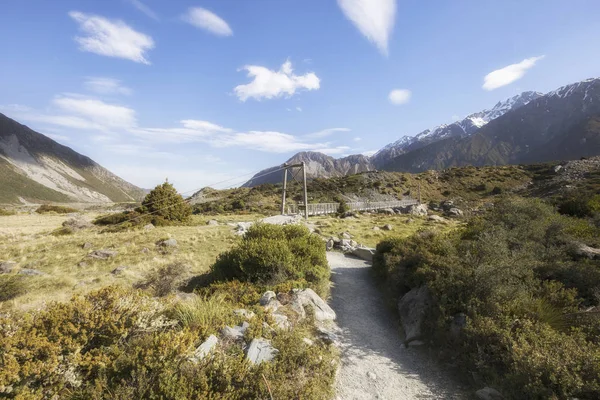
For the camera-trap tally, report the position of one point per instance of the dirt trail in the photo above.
(374, 363)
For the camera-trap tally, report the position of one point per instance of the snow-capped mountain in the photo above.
(463, 128)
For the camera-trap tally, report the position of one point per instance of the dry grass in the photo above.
(26, 239)
(361, 228)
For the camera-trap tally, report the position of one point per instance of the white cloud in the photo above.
(192, 131)
(204, 19)
(270, 142)
(509, 74)
(111, 38)
(144, 9)
(97, 112)
(399, 96)
(268, 84)
(106, 86)
(357, 139)
(373, 18)
(299, 109)
(326, 132)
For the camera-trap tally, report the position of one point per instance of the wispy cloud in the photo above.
(97, 112)
(357, 139)
(509, 74)
(144, 9)
(111, 38)
(210, 22)
(106, 86)
(373, 18)
(268, 84)
(326, 132)
(400, 96)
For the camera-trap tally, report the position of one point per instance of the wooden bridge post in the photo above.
(284, 189)
(305, 190)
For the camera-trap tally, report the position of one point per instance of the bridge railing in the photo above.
(332, 208)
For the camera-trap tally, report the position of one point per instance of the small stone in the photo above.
(308, 341)
(376, 228)
(30, 272)
(235, 333)
(145, 250)
(213, 222)
(346, 235)
(6, 267)
(167, 243)
(82, 264)
(119, 270)
(260, 350)
(102, 254)
(149, 227)
(372, 376)
(436, 218)
(86, 246)
(266, 297)
(308, 298)
(329, 245)
(387, 227)
(281, 321)
(205, 348)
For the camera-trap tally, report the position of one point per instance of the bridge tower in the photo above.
(291, 167)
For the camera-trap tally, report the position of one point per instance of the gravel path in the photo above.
(375, 364)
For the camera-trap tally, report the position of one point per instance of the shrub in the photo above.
(581, 205)
(164, 201)
(343, 208)
(47, 208)
(5, 213)
(165, 279)
(496, 190)
(513, 273)
(12, 286)
(271, 255)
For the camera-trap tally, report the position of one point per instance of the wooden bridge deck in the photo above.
(332, 208)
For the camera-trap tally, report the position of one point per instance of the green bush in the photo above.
(12, 286)
(343, 208)
(581, 205)
(514, 274)
(5, 213)
(165, 279)
(164, 201)
(271, 255)
(47, 208)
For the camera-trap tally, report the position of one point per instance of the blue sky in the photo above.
(209, 90)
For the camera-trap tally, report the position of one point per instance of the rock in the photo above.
(149, 227)
(273, 305)
(353, 243)
(31, 272)
(364, 253)
(242, 227)
(329, 245)
(284, 298)
(145, 250)
(183, 296)
(454, 212)
(327, 336)
(409, 221)
(205, 348)
(558, 168)
(167, 243)
(387, 227)
(348, 214)
(388, 211)
(583, 250)
(213, 222)
(308, 341)
(82, 264)
(336, 240)
(244, 313)
(446, 205)
(346, 235)
(436, 218)
(235, 333)
(6, 267)
(372, 375)
(417, 209)
(488, 393)
(76, 224)
(260, 350)
(119, 270)
(266, 297)
(412, 308)
(281, 321)
(308, 298)
(86, 246)
(375, 228)
(102, 254)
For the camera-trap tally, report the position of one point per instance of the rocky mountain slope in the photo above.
(561, 125)
(458, 129)
(35, 168)
(317, 165)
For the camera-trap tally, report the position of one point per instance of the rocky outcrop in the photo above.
(413, 307)
(260, 350)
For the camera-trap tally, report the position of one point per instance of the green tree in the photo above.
(164, 201)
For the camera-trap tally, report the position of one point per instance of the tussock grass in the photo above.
(203, 311)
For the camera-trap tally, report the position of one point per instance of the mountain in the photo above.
(317, 165)
(35, 168)
(560, 125)
(458, 129)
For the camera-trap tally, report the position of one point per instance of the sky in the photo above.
(208, 92)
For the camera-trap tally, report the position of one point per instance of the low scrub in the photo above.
(5, 213)
(516, 275)
(272, 255)
(121, 344)
(47, 208)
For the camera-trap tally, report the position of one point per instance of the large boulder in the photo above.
(417, 209)
(413, 307)
(308, 298)
(364, 253)
(260, 350)
(585, 251)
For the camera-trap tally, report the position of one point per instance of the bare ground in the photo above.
(374, 363)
